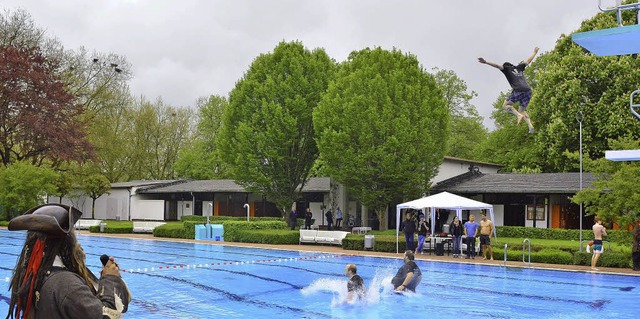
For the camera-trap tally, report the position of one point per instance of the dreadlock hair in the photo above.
(29, 273)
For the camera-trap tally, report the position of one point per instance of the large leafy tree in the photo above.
(39, 120)
(615, 194)
(23, 186)
(267, 136)
(200, 159)
(569, 80)
(382, 127)
(467, 130)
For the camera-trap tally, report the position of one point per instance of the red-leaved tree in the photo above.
(39, 120)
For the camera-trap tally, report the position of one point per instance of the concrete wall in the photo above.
(147, 209)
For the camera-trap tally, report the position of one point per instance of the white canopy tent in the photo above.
(442, 200)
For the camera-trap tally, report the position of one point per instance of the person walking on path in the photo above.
(598, 232)
(471, 231)
(521, 90)
(456, 232)
(486, 230)
(409, 228)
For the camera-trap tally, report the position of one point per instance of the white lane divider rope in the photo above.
(230, 263)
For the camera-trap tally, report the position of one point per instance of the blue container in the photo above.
(217, 231)
(201, 232)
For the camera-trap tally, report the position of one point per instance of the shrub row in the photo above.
(187, 229)
(614, 236)
(273, 236)
(113, 227)
(170, 230)
(4, 223)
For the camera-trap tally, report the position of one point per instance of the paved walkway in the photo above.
(339, 250)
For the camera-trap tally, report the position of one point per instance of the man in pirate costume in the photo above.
(51, 279)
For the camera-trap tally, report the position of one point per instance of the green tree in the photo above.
(382, 127)
(201, 158)
(267, 136)
(615, 194)
(570, 80)
(23, 186)
(94, 186)
(467, 130)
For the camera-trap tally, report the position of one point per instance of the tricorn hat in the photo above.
(52, 219)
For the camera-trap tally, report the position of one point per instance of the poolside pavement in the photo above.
(426, 257)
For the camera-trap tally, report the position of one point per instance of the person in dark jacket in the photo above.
(409, 228)
(422, 234)
(329, 217)
(307, 218)
(456, 232)
(293, 219)
(51, 279)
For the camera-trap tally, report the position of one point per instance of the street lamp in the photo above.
(580, 118)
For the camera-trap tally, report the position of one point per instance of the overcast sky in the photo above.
(184, 49)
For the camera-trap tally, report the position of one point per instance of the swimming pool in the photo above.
(183, 280)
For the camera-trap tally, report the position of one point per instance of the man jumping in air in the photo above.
(521, 90)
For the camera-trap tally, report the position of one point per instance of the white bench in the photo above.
(145, 227)
(360, 230)
(322, 236)
(84, 224)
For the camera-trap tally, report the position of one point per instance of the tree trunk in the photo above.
(93, 208)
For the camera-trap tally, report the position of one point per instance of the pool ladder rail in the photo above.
(528, 242)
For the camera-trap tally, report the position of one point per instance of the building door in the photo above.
(514, 215)
(170, 210)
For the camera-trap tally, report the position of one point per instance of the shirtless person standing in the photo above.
(598, 232)
(486, 229)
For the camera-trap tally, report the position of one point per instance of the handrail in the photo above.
(619, 8)
(526, 240)
(505, 255)
(633, 106)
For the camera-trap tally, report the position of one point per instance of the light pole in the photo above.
(579, 118)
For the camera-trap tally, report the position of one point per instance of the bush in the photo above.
(607, 259)
(114, 227)
(274, 236)
(383, 243)
(170, 230)
(4, 223)
(233, 228)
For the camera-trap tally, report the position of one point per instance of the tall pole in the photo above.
(580, 117)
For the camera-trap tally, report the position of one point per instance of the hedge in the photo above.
(114, 227)
(4, 223)
(623, 237)
(170, 230)
(232, 229)
(273, 236)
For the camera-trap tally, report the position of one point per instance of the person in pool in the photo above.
(408, 276)
(355, 286)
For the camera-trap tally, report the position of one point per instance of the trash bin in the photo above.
(369, 241)
(102, 226)
(440, 249)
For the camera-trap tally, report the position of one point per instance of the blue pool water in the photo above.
(259, 283)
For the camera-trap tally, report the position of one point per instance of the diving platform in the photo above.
(622, 156)
(608, 42)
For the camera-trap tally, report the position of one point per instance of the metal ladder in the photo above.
(634, 106)
(619, 8)
(526, 240)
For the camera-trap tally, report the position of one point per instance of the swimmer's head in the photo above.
(351, 269)
(409, 254)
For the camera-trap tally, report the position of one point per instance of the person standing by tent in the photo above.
(422, 234)
(409, 228)
(456, 232)
(471, 231)
(521, 89)
(486, 230)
